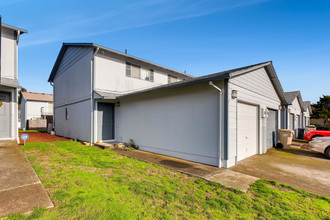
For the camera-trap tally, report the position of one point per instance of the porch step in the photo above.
(8, 143)
(107, 145)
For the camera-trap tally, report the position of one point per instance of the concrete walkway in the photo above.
(223, 176)
(20, 188)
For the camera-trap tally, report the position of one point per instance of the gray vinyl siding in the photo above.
(78, 124)
(23, 110)
(181, 122)
(72, 56)
(72, 89)
(253, 88)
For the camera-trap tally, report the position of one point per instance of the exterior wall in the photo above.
(284, 117)
(110, 75)
(297, 111)
(77, 126)
(306, 118)
(254, 88)
(23, 120)
(8, 54)
(31, 109)
(13, 111)
(181, 122)
(72, 90)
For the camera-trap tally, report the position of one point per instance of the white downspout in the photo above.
(220, 121)
(92, 99)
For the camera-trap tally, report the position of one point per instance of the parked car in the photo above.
(310, 128)
(321, 144)
(309, 135)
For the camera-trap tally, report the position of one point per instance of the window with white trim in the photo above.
(136, 71)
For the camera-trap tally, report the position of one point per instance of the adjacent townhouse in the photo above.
(35, 106)
(218, 119)
(307, 113)
(9, 36)
(293, 112)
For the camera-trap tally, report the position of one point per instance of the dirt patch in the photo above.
(41, 137)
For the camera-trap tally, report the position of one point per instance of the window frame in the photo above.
(150, 72)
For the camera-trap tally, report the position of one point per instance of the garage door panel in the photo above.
(247, 130)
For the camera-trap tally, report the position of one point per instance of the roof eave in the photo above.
(176, 85)
(276, 82)
(22, 31)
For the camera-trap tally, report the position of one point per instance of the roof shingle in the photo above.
(37, 96)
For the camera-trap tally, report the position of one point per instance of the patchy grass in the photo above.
(90, 183)
(300, 141)
(32, 131)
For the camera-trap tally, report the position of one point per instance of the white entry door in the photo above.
(247, 131)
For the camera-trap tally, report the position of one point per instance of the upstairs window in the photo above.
(149, 75)
(172, 79)
(139, 73)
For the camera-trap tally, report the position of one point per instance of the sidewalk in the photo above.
(20, 188)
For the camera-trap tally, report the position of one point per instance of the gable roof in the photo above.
(307, 104)
(222, 75)
(32, 96)
(290, 96)
(95, 46)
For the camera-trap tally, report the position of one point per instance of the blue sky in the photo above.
(200, 36)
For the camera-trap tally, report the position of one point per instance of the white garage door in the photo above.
(271, 129)
(247, 131)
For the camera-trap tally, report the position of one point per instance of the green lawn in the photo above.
(89, 183)
(32, 131)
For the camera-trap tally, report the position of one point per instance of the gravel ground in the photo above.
(41, 137)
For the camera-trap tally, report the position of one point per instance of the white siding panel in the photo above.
(8, 54)
(110, 75)
(33, 109)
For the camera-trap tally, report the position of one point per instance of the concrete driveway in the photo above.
(297, 167)
(20, 188)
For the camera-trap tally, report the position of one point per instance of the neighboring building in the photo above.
(102, 95)
(35, 106)
(294, 111)
(307, 113)
(9, 36)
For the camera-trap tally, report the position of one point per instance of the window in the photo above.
(66, 114)
(135, 71)
(139, 73)
(172, 79)
(149, 75)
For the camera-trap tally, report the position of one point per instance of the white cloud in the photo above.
(135, 15)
